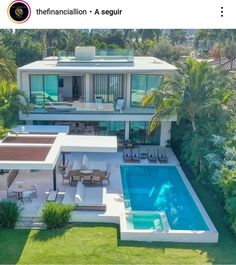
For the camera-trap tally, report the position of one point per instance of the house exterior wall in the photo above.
(67, 88)
(23, 77)
(165, 132)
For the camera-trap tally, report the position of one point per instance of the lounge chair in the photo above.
(90, 198)
(119, 104)
(152, 158)
(135, 155)
(127, 155)
(161, 153)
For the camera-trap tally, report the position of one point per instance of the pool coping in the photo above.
(190, 236)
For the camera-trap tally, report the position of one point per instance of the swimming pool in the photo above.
(158, 198)
(153, 188)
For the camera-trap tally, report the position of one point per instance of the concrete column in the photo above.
(128, 90)
(165, 132)
(87, 87)
(54, 179)
(127, 130)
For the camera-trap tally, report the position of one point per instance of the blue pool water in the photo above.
(160, 188)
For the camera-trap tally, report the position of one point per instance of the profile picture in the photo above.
(19, 11)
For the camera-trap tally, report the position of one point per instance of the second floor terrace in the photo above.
(90, 93)
(92, 81)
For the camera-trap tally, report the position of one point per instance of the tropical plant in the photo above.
(12, 100)
(56, 215)
(7, 64)
(149, 34)
(177, 35)
(195, 91)
(195, 94)
(9, 213)
(3, 130)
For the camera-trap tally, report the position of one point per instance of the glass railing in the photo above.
(87, 107)
(105, 54)
(61, 55)
(125, 53)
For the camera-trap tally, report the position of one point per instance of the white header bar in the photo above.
(124, 14)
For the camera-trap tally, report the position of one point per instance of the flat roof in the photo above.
(30, 139)
(141, 64)
(41, 151)
(22, 153)
(89, 143)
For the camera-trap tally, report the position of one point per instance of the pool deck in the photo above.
(115, 211)
(114, 197)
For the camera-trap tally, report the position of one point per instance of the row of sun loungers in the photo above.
(154, 155)
(132, 155)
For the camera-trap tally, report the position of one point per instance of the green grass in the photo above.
(100, 244)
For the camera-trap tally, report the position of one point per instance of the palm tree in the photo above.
(7, 64)
(150, 34)
(200, 98)
(195, 92)
(12, 100)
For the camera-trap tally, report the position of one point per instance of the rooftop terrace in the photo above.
(90, 59)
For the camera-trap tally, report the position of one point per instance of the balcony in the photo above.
(87, 108)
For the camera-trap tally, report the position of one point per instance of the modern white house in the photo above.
(96, 92)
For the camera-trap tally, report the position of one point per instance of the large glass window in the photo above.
(51, 87)
(112, 128)
(101, 87)
(141, 84)
(109, 87)
(139, 133)
(43, 88)
(36, 89)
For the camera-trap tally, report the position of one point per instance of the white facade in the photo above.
(78, 81)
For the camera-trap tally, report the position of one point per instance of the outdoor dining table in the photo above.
(20, 188)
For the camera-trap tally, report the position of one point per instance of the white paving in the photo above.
(114, 198)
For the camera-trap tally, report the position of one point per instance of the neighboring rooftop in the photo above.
(89, 60)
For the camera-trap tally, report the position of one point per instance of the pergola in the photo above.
(41, 151)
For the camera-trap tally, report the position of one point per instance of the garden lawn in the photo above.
(100, 244)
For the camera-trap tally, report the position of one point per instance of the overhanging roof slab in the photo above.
(39, 156)
(87, 143)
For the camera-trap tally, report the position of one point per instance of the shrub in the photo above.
(9, 213)
(56, 215)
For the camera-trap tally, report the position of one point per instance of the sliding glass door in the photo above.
(139, 133)
(108, 87)
(141, 84)
(50, 87)
(43, 88)
(36, 90)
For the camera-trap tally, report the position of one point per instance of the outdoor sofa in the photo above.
(90, 198)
